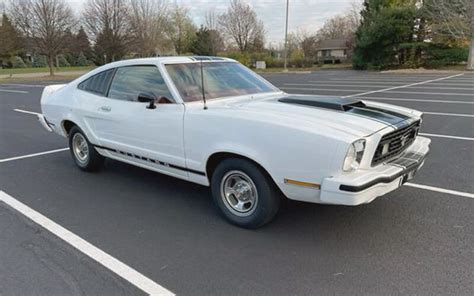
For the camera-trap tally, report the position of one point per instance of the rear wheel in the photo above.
(244, 193)
(83, 153)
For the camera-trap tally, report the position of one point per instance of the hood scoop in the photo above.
(338, 104)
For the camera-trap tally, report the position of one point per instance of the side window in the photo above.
(98, 83)
(130, 81)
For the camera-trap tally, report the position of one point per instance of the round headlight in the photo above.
(354, 156)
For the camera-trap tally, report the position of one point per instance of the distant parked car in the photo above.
(246, 139)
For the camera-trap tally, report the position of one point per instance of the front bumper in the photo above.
(363, 186)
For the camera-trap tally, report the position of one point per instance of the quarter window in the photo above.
(98, 83)
(131, 81)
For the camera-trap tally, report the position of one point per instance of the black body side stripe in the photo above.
(162, 163)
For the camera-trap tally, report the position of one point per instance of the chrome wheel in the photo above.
(239, 193)
(80, 148)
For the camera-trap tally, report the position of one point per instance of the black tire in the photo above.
(90, 163)
(268, 196)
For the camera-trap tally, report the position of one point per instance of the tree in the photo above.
(11, 40)
(335, 28)
(308, 45)
(240, 24)
(46, 22)
(68, 48)
(181, 30)
(107, 24)
(82, 44)
(202, 44)
(147, 25)
(211, 22)
(82, 60)
(453, 18)
(384, 26)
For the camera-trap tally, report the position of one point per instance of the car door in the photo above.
(134, 133)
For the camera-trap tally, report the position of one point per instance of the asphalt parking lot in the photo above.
(416, 240)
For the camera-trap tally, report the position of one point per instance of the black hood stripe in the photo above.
(348, 105)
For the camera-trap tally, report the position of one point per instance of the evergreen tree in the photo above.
(63, 62)
(385, 25)
(81, 60)
(202, 44)
(108, 47)
(69, 49)
(17, 62)
(82, 44)
(39, 61)
(10, 39)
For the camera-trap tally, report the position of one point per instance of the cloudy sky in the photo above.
(306, 15)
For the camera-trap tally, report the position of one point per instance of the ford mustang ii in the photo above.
(214, 122)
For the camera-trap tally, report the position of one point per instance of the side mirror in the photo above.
(147, 98)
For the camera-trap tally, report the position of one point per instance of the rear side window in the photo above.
(131, 81)
(98, 83)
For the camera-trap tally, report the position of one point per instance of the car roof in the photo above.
(168, 59)
(152, 61)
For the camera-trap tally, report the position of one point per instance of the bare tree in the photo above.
(107, 24)
(353, 15)
(211, 20)
(181, 30)
(307, 42)
(337, 27)
(241, 25)
(45, 22)
(147, 26)
(454, 18)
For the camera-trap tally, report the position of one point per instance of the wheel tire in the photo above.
(244, 174)
(87, 158)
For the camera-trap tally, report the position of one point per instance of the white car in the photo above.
(214, 122)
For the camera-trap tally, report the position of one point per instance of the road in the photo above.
(416, 240)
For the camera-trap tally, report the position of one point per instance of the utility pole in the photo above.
(286, 38)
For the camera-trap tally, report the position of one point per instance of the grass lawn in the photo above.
(42, 70)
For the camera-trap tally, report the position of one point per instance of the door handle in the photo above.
(105, 109)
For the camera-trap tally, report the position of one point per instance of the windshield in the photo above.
(221, 79)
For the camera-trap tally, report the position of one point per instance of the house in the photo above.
(332, 51)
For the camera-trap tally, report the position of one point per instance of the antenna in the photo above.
(202, 88)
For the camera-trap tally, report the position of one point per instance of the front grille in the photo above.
(395, 142)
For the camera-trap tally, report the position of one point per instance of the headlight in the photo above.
(354, 156)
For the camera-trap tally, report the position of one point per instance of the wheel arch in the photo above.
(67, 125)
(214, 159)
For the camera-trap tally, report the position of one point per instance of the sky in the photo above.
(308, 15)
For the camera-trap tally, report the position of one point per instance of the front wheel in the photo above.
(244, 193)
(83, 153)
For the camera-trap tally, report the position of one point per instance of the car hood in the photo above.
(349, 115)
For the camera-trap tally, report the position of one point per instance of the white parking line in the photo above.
(14, 91)
(400, 79)
(24, 85)
(419, 100)
(403, 86)
(365, 82)
(375, 91)
(113, 264)
(448, 114)
(373, 86)
(33, 155)
(27, 112)
(446, 136)
(442, 190)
